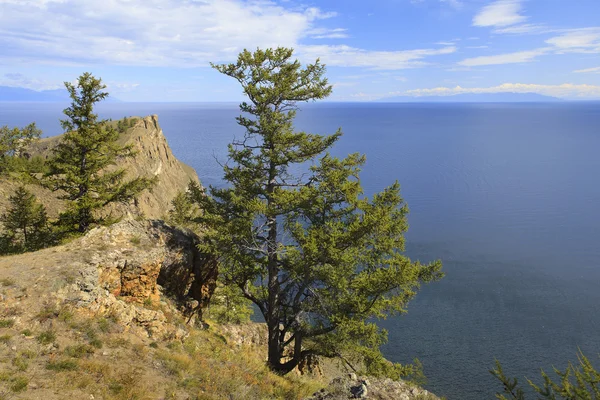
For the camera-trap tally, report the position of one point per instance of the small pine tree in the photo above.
(81, 160)
(12, 141)
(181, 212)
(25, 224)
(581, 381)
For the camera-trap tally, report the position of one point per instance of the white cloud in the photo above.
(566, 90)
(595, 70)
(323, 33)
(522, 28)
(508, 58)
(146, 32)
(346, 56)
(500, 13)
(586, 40)
(175, 33)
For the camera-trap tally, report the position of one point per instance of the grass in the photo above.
(104, 325)
(61, 365)
(135, 240)
(46, 313)
(46, 337)
(79, 351)
(19, 384)
(206, 367)
(7, 282)
(203, 366)
(6, 323)
(5, 338)
(20, 363)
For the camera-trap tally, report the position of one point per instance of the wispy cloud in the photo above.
(19, 80)
(324, 33)
(346, 56)
(457, 4)
(585, 40)
(506, 17)
(595, 70)
(522, 29)
(565, 90)
(22, 81)
(508, 58)
(500, 13)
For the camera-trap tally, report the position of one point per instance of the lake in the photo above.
(507, 195)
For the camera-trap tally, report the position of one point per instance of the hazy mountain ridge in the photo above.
(476, 98)
(10, 93)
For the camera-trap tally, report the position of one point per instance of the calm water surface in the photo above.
(506, 195)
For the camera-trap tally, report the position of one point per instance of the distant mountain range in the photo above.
(475, 98)
(8, 93)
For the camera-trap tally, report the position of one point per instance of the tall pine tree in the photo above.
(317, 257)
(80, 166)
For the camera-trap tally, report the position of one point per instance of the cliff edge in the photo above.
(153, 158)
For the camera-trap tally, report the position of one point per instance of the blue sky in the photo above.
(159, 50)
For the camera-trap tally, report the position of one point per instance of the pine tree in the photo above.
(25, 224)
(182, 209)
(317, 257)
(80, 164)
(579, 381)
(12, 141)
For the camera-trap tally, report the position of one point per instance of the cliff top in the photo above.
(153, 158)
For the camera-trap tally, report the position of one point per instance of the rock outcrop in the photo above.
(115, 271)
(153, 158)
(360, 387)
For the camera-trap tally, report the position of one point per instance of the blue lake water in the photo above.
(507, 195)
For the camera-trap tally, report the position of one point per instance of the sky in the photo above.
(160, 50)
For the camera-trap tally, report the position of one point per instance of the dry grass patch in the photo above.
(207, 367)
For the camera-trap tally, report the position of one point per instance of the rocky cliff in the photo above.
(153, 158)
(115, 271)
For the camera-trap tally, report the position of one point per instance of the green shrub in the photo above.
(104, 325)
(46, 313)
(79, 351)
(6, 323)
(46, 337)
(19, 384)
(20, 363)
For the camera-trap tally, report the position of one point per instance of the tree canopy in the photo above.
(80, 166)
(317, 257)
